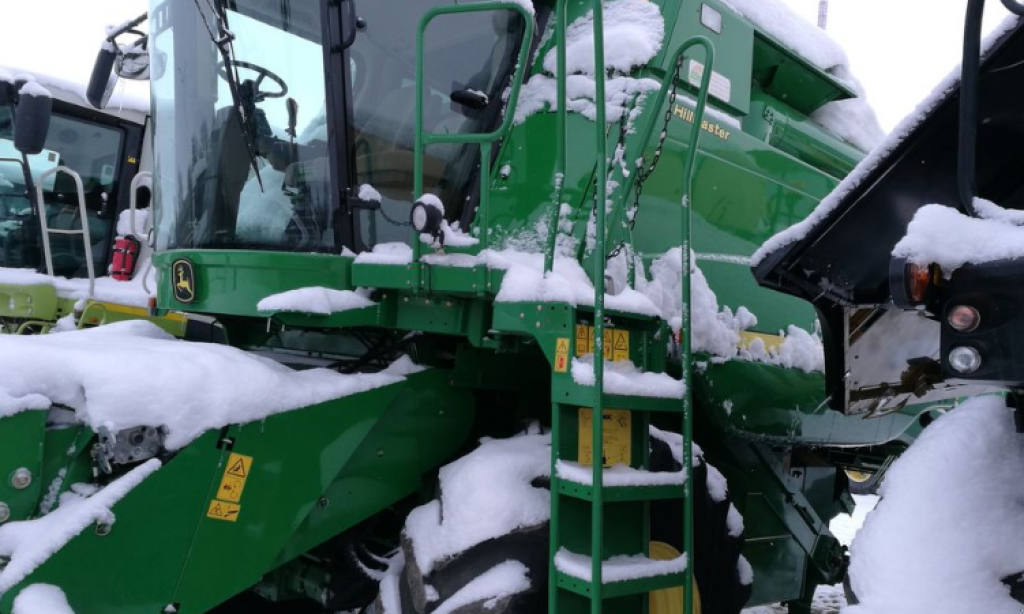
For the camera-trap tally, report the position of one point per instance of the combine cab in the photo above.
(345, 186)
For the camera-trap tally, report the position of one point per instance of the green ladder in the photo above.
(594, 524)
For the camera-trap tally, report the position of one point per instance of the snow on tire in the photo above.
(481, 547)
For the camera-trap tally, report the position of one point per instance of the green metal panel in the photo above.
(232, 282)
(21, 446)
(315, 472)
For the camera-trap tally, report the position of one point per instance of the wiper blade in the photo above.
(222, 40)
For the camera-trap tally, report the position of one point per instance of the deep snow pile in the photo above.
(948, 527)
(877, 156)
(214, 385)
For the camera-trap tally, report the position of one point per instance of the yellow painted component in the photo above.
(669, 600)
(235, 476)
(562, 355)
(221, 510)
(771, 342)
(858, 476)
(616, 342)
(618, 441)
(138, 312)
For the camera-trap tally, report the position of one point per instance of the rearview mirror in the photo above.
(103, 79)
(32, 122)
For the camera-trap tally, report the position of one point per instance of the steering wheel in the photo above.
(263, 74)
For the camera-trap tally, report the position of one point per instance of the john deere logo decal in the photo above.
(184, 281)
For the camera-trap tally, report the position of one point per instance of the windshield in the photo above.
(92, 150)
(252, 170)
(207, 143)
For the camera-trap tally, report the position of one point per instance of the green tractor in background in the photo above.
(343, 184)
(88, 168)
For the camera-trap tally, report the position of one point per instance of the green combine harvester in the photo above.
(342, 185)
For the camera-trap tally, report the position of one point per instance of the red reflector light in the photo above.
(964, 318)
(918, 280)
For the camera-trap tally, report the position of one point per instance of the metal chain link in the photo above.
(642, 174)
(389, 219)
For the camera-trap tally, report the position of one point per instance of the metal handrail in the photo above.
(83, 216)
(485, 140)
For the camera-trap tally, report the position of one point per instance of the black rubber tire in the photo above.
(716, 552)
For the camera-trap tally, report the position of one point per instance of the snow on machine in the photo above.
(441, 239)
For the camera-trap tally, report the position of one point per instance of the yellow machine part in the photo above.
(669, 600)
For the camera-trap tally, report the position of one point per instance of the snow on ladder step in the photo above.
(618, 475)
(624, 378)
(621, 568)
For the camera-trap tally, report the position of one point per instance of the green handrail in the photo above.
(485, 140)
(561, 137)
(597, 416)
(686, 327)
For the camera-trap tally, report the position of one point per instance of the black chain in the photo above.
(642, 174)
(389, 219)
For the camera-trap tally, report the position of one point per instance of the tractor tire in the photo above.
(717, 553)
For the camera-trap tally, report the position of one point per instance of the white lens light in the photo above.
(964, 359)
(963, 318)
(419, 218)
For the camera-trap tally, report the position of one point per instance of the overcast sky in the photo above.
(899, 49)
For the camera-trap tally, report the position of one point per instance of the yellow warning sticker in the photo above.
(562, 355)
(618, 441)
(616, 342)
(222, 510)
(235, 475)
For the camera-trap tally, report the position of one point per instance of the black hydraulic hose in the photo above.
(966, 174)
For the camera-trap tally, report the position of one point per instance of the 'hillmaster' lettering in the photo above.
(713, 127)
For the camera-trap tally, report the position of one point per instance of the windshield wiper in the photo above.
(223, 40)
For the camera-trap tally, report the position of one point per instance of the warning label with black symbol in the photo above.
(232, 484)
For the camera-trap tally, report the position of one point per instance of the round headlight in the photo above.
(964, 359)
(426, 218)
(963, 318)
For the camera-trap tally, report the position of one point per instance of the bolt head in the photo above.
(5, 512)
(21, 478)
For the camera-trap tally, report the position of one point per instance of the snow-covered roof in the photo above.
(125, 104)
